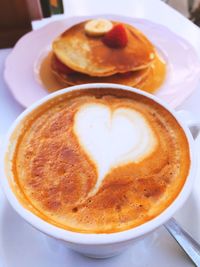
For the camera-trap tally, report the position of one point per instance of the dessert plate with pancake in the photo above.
(108, 49)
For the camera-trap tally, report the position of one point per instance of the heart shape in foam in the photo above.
(112, 138)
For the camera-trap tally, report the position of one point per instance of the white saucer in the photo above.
(183, 65)
(21, 245)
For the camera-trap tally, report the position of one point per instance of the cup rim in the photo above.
(105, 238)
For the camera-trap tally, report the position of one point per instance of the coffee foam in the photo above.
(57, 179)
(112, 138)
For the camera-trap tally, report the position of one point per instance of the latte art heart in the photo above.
(112, 138)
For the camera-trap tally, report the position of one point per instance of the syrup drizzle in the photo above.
(151, 84)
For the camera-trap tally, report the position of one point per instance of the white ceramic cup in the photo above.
(101, 245)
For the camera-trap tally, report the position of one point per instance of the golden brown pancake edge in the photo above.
(91, 56)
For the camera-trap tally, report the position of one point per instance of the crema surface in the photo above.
(98, 160)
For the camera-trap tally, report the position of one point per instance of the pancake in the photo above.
(131, 78)
(89, 55)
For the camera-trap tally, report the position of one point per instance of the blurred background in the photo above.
(16, 16)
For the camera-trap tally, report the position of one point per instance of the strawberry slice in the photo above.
(61, 67)
(117, 37)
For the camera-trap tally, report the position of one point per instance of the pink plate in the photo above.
(21, 68)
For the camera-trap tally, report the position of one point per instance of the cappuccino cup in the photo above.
(98, 167)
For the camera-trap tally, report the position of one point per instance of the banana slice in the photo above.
(98, 27)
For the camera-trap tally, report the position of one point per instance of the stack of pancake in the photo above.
(80, 58)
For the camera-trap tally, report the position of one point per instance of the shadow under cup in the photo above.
(98, 245)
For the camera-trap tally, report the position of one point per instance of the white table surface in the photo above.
(154, 10)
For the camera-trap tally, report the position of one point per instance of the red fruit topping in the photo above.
(61, 67)
(116, 37)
